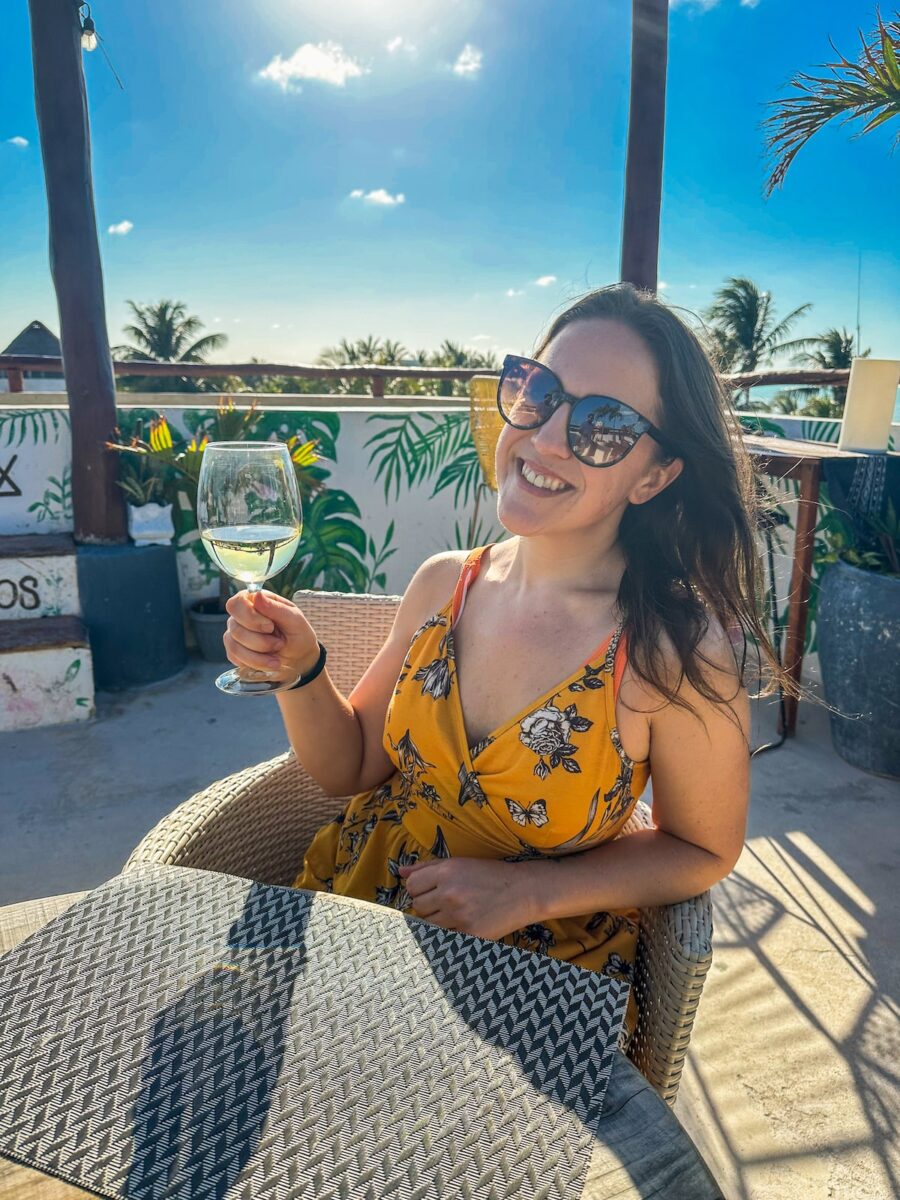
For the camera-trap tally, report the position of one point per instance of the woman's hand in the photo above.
(267, 632)
(471, 895)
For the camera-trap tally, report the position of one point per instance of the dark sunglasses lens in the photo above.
(523, 392)
(602, 431)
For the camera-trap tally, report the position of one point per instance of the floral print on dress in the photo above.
(546, 731)
(397, 896)
(557, 774)
(469, 787)
(436, 679)
(536, 937)
(617, 968)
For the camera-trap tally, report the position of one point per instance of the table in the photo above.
(428, 1063)
(789, 458)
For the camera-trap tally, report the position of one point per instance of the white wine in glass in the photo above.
(250, 519)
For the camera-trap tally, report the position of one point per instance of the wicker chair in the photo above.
(258, 822)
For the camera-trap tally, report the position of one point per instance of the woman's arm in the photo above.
(700, 771)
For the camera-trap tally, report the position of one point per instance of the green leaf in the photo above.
(72, 670)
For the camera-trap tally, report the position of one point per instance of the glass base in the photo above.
(243, 681)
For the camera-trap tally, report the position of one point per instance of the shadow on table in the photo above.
(213, 1059)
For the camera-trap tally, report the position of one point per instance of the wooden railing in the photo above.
(15, 365)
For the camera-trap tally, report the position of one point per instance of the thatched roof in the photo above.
(35, 338)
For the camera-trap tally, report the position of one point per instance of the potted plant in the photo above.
(145, 479)
(858, 631)
(179, 463)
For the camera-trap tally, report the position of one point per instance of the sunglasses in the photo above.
(601, 429)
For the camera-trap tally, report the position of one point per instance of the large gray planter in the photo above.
(858, 626)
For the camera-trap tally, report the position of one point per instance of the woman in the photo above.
(486, 793)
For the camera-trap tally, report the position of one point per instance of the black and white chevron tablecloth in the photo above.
(185, 1035)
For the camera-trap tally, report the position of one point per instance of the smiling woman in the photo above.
(498, 742)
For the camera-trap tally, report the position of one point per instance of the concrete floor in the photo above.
(791, 1087)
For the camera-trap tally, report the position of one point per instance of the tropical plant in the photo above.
(871, 543)
(166, 332)
(867, 89)
(744, 333)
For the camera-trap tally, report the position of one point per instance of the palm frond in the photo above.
(868, 88)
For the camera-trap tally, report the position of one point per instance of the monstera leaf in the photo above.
(332, 548)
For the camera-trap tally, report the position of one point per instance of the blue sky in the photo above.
(230, 161)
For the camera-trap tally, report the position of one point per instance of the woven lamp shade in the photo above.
(485, 423)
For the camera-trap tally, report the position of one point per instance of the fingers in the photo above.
(242, 656)
(249, 639)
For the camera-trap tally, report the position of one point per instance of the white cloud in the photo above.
(20, 142)
(399, 43)
(703, 5)
(514, 292)
(121, 229)
(378, 196)
(749, 3)
(469, 61)
(483, 337)
(217, 320)
(545, 280)
(692, 286)
(324, 61)
(662, 286)
(277, 325)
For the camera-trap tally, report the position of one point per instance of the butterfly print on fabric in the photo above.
(397, 896)
(535, 813)
(469, 787)
(546, 731)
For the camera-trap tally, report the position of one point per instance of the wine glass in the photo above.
(250, 520)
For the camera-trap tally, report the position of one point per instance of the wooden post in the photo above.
(646, 131)
(16, 382)
(61, 104)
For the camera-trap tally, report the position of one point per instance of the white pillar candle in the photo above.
(869, 408)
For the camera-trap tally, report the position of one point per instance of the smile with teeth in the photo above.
(544, 482)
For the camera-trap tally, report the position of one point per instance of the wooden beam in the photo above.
(646, 132)
(61, 105)
(16, 381)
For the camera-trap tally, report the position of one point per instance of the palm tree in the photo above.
(744, 333)
(868, 88)
(830, 350)
(163, 332)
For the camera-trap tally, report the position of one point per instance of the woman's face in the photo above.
(595, 357)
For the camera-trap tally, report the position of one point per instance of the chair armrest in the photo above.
(256, 823)
(673, 957)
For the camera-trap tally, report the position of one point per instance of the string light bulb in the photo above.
(88, 32)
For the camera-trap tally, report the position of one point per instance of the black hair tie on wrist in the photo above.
(316, 671)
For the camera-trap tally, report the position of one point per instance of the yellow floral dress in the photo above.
(552, 781)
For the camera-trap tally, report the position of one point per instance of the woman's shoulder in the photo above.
(433, 584)
(715, 661)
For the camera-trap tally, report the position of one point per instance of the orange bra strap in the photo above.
(468, 573)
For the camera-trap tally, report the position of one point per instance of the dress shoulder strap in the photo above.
(620, 658)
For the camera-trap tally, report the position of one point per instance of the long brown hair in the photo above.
(690, 551)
